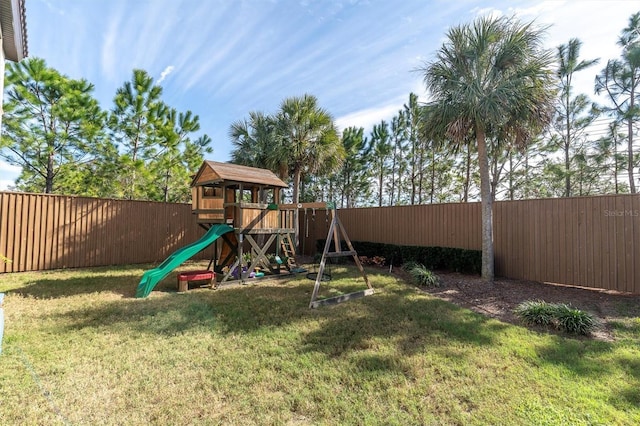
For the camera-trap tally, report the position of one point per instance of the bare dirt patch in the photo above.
(498, 300)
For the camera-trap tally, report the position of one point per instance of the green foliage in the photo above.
(252, 139)
(558, 315)
(53, 129)
(574, 320)
(381, 151)
(407, 266)
(56, 131)
(437, 258)
(299, 141)
(352, 178)
(536, 312)
(157, 154)
(422, 276)
(477, 84)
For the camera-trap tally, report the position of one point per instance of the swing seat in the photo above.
(314, 275)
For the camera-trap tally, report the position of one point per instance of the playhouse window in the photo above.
(246, 196)
(267, 195)
(211, 191)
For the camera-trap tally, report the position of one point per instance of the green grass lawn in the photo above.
(79, 349)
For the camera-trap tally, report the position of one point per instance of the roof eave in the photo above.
(14, 31)
(20, 30)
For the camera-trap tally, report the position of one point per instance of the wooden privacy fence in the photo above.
(586, 241)
(39, 232)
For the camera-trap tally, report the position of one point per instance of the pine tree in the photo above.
(52, 128)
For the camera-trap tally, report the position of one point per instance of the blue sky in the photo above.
(224, 58)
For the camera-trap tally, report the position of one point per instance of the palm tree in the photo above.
(252, 141)
(308, 139)
(490, 79)
(309, 142)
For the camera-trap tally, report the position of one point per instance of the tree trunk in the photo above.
(526, 174)
(511, 189)
(567, 142)
(420, 174)
(433, 177)
(567, 170)
(380, 183)
(487, 208)
(393, 182)
(632, 183)
(166, 187)
(296, 200)
(48, 188)
(615, 163)
(467, 178)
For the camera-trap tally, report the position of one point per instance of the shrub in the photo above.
(559, 315)
(574, 320)
(423, 276)
(443, 258)
(536, 312)
(408, 266)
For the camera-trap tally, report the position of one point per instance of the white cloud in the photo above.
(538, 9)
(165, 73)
(487, 11)
(5, 184)
(8, 175)
(8, 168)
(367, 118)
(109, 57)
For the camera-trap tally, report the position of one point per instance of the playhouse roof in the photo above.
(214, 172)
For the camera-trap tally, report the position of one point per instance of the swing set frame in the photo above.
(336, 231)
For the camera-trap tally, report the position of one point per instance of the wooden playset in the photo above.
(252, 233)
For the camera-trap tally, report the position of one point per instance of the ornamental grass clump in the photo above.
(536, 312)
(558, 315)
(422, 276)
(574, 320)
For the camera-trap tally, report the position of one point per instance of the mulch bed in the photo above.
(498, 300)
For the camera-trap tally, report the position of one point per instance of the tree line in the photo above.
(65, 143)
(581, 148)
(503, 121)
(141, 148)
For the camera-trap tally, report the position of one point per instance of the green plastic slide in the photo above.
(153, 276)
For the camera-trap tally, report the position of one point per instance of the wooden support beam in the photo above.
(266, 230)
(233, 248)
(342, 298)
(323, 262)
(235, 265)
(342, 254)
(260, 252)
(356, 259)
(317, 206)
(335, 229)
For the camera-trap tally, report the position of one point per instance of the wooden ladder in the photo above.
(289, 251)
